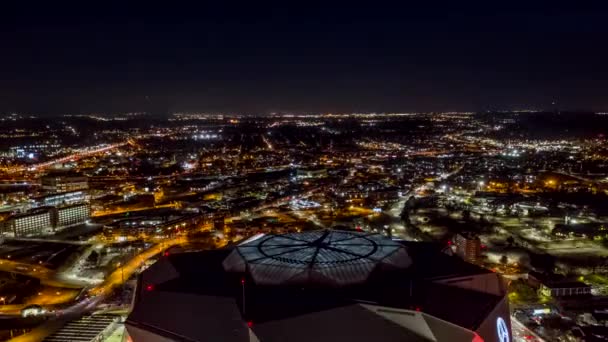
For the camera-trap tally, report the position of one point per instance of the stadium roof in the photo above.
(306, 286)
(326, 257)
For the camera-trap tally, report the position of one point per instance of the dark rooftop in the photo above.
(201, 275)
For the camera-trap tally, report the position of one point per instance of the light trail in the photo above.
(98, 293)
(82, 153)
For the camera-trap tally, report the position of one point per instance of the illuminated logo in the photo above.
(502, 330)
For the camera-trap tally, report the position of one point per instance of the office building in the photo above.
(64, 198)
(64, 182)
(29, 224)
(160, 226)
(320, 286)
(71, 214)
(468, 247)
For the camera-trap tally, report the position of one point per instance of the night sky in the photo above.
(327, 58)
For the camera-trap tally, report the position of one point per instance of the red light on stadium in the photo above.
(249, 324)
(166, 253)
(243, 281)
(449, 243)
(477, 338)
(418, 309)
(150, 287)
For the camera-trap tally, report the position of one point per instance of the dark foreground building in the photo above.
(319, 286)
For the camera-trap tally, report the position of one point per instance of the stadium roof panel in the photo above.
(232, 294)
(330, 257)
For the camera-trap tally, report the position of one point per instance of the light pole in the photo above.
(122, 272)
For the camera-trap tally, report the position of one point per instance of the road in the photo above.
(100, 214)
(82, 153)
(46, 276)
(50, 240)
(396, 226)
(98, 293)
(125, 271)
(521, 333)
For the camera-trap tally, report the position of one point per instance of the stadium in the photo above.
(325, 285)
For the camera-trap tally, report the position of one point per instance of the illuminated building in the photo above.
(46, 219)
(557, 286)
(59, 199)
(57, 183)
(72, 214)
(311, 173)
(29, 224)
(151, 225)
(468, 247)
(564, 289)
(319, 286)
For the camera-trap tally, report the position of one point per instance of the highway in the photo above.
(98, 293)
(82, 153)
(396, 225)
(46, 276)
(125, 271)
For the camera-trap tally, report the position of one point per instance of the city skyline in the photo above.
(296, 172)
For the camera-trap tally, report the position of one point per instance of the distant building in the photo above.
(64, 198)
(45, 219)
(34, 223)
(218, 222)
(58, 183)
(565, 288)
(385, 195)
(468, 247)
(160, 226)
(71, 214)
(311, 173)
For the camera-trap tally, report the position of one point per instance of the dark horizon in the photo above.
(255, 59)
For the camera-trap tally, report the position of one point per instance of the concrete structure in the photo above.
(33, 223)
(319, 286)
(71, 214)
(57, 183)
(565, 289)
(166, 225)
(311, 173)
(86, 329)
(468, 247)
(45, 220)
(64, 198)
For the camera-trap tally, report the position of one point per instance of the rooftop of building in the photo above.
(294, 275)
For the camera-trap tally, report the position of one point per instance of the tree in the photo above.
(466, 215)
(522, 292)
(504, 260)
(93, 258)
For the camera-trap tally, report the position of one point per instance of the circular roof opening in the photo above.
(329, 257)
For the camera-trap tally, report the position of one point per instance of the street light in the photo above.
(122, 272)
